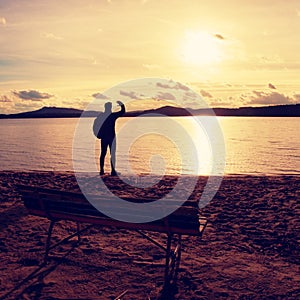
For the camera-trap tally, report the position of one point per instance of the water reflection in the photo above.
(253, 146)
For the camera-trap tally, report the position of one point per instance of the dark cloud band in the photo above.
(32, 95)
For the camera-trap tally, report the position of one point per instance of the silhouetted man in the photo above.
(108, 135)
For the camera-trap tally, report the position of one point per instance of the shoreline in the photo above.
(250, 249)
(296, 174)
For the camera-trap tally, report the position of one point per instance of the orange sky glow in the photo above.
(233, 53)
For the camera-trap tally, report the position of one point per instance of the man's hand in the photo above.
(120, 103)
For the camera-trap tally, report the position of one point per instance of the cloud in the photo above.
(26, 106)
(191, 105)
(274, 59)
(264, 98)
(189, 96)
(151, 66)
(131, 95)
(2, 21)
(271, 86)
(173, 85)
(205, 94)
(5, 99)
(165, 96)
(32, 95)
(99, 96)
(51, 36)
(164, 86)
(297, 97)
(220, 103)
(181, 87)
(76, 103)
(219, 36)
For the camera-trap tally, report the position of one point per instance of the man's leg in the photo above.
(104, 145)
(112, 148)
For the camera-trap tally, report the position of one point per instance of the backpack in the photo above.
(97, 127)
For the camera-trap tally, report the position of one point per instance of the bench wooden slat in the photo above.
(79, 197)
(182, 214)
(74, 206)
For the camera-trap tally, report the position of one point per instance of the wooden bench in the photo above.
(57, 205)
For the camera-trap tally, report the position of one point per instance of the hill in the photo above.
(292, 110)
(50, 112)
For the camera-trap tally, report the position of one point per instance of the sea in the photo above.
(146, 145)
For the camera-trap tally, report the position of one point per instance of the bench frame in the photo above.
(173, 243)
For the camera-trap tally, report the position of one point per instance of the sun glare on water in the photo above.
(201, 48)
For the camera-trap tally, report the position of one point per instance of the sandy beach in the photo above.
(250, 249)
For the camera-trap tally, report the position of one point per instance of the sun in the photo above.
(201, 48)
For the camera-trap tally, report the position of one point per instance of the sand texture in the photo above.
(250, 249)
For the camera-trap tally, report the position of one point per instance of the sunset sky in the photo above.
(233, 53)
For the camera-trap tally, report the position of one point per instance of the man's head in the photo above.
(108, 106)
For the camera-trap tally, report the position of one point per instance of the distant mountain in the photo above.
(165, 110)
(292, 110)
(51, 112)
(266, 111)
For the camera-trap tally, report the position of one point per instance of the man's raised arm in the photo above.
(122, 111)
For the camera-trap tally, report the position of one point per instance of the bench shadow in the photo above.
(168, 292)
(11, 215)
(35, 278)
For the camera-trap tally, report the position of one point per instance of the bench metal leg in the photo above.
(50, 230)
(168, 254)
(172, 260)
(78, 232)
(153, 241)
(48, 242)
(178, 257)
